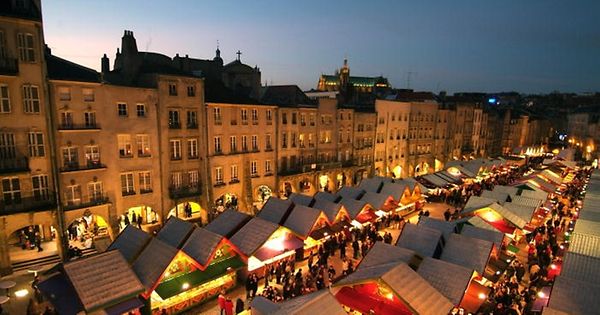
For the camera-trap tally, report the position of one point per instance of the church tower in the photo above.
(344, 75)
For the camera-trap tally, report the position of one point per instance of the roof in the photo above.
(467, 252)
(587, 227)
(302, 219)
(301, 199)
(436, 180)
(499, 196)
(585, 244)
(536, 194)
(227, 223)
(260, 305)
(550, 311)
(377, 201)
(487, 234)
(522, 211)
(325, 196)
(512, 191)
(348, 192)
(574, 296)
(372, 184)
(201, 245)
(513, 215)
(284, 95)
(175, 231)
(526, 201)
(130, 242)
(450, 279)
(423, 240)
(589, 216)
(580, 267)
(26, 10)
(396, 190)
(102, 280)
(353, 206)
(330, 209)
(415, 291)
(479, 222)
(160, 255)
(476, 203)
(62, 69)
(319, 302)
(253, 235)
(383, 253)
(445, 227)
(60, 292)
(275, 210)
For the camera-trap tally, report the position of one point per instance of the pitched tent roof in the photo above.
(413, 183)
(275, 210)
(585, 244)
(377, 201)
(102, 280)
(60, 292)
(499, 196)
(450, 279)
(522, 211)
(467, 252)
(481, 203)
(319, 302)
(480, 223)
(411, 288)
(526, 201)
(589, 216)
(512, 191)
(175, 231)
(436, 180)
(323, 195)
(302, 219)
(486, 234)
(354, 207)
(348, 192)
(574, 296)
(301, 199)
(536, 194)
(587, 227)
(581, 267)
(423, 240)
(130, 242)
(201, 245)
(228, 222)
(253, 235)
(330, 209)
(445, 227)
(152, 262)
(476, 203)
(371, 184)
(383, 253)
(395, 190)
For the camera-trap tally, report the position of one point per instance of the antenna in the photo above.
(408, 77)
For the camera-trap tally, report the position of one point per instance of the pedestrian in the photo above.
(239, 306)
(447, 214)
(221, 301)
(228, 307)
(139, 222)
(127, 222)
(134, 218)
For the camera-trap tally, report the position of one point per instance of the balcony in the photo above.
(184, 191)
(127, 193)
(174, 125)
(71, 126)
(234, 181)
(27, 204)
(15, 164)
(86, 201)
(75, 166)
(9, 66)
(290, 171)
(145, 191)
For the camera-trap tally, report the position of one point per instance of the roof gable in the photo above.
(161, 255)
(227, 223)
(302, 219)
(467, 252)
(130, 242)
(450, 279)
(201, 245)
(253, 235)
(423, 240)
(275, 210)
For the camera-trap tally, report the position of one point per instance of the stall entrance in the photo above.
(138, 216)
(187, 211)
(397, 171)
(324, 183)
(32, 242)
(227, 201)
(422, 169)
(83, 230)
(286, 190)
(341, 180)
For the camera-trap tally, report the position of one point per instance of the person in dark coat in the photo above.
(239, 306)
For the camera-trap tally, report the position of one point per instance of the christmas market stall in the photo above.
(446, 227)
(425, 241)
(383, 253)
(319, 302)
(382, 203)
(228, 222)
(301, 199)
(373, 184)
(323, 195)
(406, 202)
(337, 215)
(130, 242)
(309, 224)
(574, 296)
(468, 252)
(360, 211)
(276, 210)
(348, 192)
(100, 284)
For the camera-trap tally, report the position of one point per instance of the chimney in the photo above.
(128, 44)
(105, 64)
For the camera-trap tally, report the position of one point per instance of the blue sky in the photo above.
(532, 46)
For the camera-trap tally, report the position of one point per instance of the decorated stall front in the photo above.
(309, 224)
(337, 215)
(360, 212)
(383, 204)
(406, 202)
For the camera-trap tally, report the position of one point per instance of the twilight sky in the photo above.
(533, 46)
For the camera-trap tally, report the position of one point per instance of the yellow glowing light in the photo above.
(481, 296)
(390, 296)
(490, 216)
(185, 286)
(498, 272)
(21, 293)
(553, 266)
(167, 274)
(541, 294)
(276, 243)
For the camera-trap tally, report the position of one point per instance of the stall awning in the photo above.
(361, 299)
(289, 244)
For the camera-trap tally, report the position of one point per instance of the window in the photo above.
(268, 169)
(192, 120)
(143, 145)
(124, 144)
(218, 145)
(244, 116)
(95, 191)
(31, 99)
(253, 168)
(193, 179)
(191, 91)
(145, 182)
(293, 139)
(175, 180)
(175, 149)
(255, 116)
(269, 116)
(218, 175)
(140, 109)
(127, 187)
(254, 141)
(25, 43)
(66, 120)
(217, 115)
(340, 136)
(284, 140)
(11, 190)
(64, 93)
(312, 119)
(7, 146)
(234, 173)
(294, 118)
(40, 187)
(36, 144)
(284, 118)
(174, 122)
(4, 99)
(302, 119)
(73, 194)
(192, 148)
(268, 142)
(122, 109)
(233, 144)
(70, 158)
(172, 89)
(90, 119)
(2, 45)
(92, 156)
(244, 143)
(88, 95)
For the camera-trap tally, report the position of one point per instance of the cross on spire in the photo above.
(239, 54)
